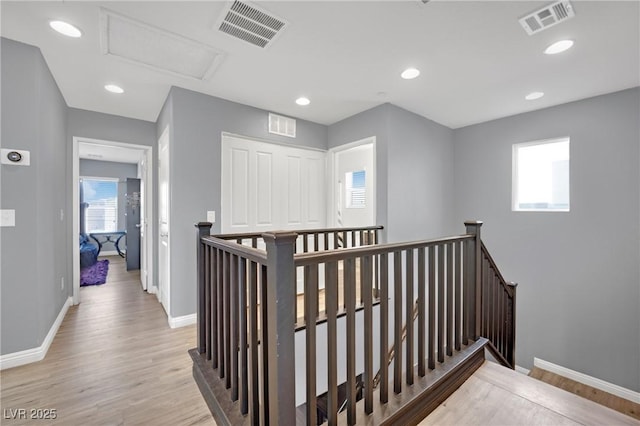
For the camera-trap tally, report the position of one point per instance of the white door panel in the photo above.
(270, 187)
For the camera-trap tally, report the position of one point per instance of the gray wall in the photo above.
(197, 122)
(34, 253)
(110, 169)
(579, 283)
(413, 155)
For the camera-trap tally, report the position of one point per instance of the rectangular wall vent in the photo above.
(547, 17)
(250, 23)
(283, 126)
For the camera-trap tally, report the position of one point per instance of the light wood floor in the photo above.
(601, 397)
(496, 395)
(114, 361)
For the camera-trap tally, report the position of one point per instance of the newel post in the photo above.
(280, 327)
(203, 229)
(475, 285)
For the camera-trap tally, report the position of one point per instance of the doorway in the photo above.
(353, 184)
(142, 156)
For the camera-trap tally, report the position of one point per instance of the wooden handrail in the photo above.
(504, 282)
(303, 259)
(249, 235)
(249, 253)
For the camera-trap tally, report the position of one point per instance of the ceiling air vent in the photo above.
(283, 126)
(547, 17)
(250, 23)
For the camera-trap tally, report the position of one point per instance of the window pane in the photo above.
(541, 176)
(355, 190)
(102, 213)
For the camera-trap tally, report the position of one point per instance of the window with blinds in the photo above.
(355, 190)
(102, 196)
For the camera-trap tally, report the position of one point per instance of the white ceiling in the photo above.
(477, 62)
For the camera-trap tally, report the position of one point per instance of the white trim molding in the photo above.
(28, 356)
(183, 321)
(588, 380)
(522, 370)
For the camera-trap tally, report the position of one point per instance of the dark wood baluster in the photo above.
(409, 303)
(336, 240)
(450, 280)
(254, 242)
(458, 295)
(264, 310)
(384, 328)
(221, 324)
(350, 301)
(310, 309)
(353, 239)
(326, 241)
(397, 322)
(345, 240)
(305, 243)
(485, 295)
(431, 329)
(235, 322)
(254, 402)
(315, 241)
(367, 290)
(331, 309)
(208, 285)
(422, 304)
(441, 299)
(227, 319)
(242, 303)
(213, 301)
(467, 281)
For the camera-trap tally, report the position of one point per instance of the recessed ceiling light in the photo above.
(113, 88)
(303, 101)
(534, 95)
(558, 46)
(410, 73)
(65, 28)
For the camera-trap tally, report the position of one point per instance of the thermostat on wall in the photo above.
(15, 157)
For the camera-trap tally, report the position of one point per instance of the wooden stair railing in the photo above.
(245, 363)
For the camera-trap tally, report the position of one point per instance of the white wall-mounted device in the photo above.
(16, 157)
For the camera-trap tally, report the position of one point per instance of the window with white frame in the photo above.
(101, 194)
(355, 190)
(541, 176)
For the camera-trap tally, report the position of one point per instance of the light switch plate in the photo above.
(7, 217)
(211, 216)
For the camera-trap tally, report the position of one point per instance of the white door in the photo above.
(145, 174)
(354, 183)
(142, 174)
(271, 187)
(164, 200)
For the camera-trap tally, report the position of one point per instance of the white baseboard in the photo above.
(588, 380)
(522, 370)
(108, 253)
(183, 321)
(28, 356)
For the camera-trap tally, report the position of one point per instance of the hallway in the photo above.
(114, 361)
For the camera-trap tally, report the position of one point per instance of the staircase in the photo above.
(419, 314)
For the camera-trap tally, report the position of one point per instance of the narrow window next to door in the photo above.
(355, 190)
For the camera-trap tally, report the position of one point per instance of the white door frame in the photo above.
(331, 174)
(75, 202)
(164, 295)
